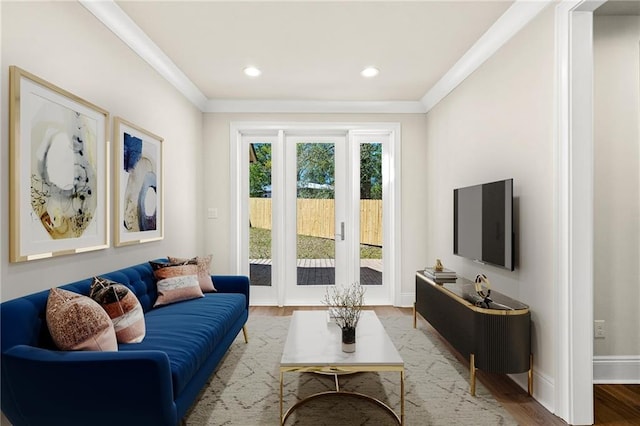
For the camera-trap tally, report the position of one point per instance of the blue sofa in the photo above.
(154, 382)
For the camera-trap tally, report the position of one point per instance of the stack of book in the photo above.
(446, 275)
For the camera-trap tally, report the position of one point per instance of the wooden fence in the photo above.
(316, 218)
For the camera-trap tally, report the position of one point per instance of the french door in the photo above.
(316, 219)
(313, 206)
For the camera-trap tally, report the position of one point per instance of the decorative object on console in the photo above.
(443, 275)
(77, 322)
(204, 273)
(123, 308)
(345, 304)
(438, 266)
(480, 279)
(139, 184)
(58, 170)
(176, 282)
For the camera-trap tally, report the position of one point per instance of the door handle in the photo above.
(341, 234)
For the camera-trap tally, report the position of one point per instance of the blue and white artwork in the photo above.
(141, 193)
(139, 185)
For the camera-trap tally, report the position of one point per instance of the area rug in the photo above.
(245, 390)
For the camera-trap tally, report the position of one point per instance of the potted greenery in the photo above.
(345, 304)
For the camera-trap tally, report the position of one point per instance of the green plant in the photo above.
(345, 303)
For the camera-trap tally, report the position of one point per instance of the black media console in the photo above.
(494, 340)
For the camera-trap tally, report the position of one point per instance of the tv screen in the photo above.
(483, 223)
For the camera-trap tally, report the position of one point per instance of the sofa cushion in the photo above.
(189, 332)
(123, 308)
(204, 274)
(77, 322)
(176, 281)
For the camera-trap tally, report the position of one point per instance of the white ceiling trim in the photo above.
(512, 20)
(320, 107)
(114, 18)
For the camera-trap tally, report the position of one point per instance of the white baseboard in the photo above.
(543, 388)
(616, 369)
(407, 299)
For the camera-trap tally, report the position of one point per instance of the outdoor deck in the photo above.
(316, 271)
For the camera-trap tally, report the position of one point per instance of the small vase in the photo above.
(349, 339)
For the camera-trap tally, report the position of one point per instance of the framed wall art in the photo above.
(59, 177)
(139, 184)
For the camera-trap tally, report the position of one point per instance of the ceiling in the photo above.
(311, 52)
(619, 7)
(314, 50)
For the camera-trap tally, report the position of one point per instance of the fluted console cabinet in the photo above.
(496, 339)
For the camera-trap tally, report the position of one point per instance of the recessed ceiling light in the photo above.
(252, 71)
(370, 72)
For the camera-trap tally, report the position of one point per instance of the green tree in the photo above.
(260, 171)
(371, 171)
(316, 170)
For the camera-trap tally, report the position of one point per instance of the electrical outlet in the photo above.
(599, 331)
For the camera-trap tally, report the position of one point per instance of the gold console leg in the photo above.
(414, 316)
(530, 375)
(472, 370)
(281, 386)
(402, 398)
(244, 333)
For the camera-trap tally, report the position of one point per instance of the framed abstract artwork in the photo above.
(59, 175)
(139, 184)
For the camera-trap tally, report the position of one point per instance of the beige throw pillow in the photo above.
(176, 282)
(204, 266)
(76, 322)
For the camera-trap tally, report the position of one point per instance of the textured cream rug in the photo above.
(245, 389)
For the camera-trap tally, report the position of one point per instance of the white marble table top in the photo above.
(315, 341)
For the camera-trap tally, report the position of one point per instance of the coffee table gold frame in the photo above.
(337, 371)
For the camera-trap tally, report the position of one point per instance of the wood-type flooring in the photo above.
(615, 405)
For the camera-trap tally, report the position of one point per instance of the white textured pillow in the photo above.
(76, 322)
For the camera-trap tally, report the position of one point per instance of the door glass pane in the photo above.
(371, 213)
(315, 214)
(260, 223)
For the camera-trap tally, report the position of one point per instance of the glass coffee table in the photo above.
(313, 345)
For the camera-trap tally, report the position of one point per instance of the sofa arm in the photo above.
(43, 387)
(232, 284)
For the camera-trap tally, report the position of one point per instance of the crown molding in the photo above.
(512, 21)
(319, 107)
(114, 18)
(509, 24)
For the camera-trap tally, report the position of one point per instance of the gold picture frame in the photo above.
(58, 170)
(139, 181)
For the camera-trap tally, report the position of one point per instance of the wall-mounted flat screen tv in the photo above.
(483, 223)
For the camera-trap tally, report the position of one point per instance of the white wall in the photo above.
(617, 183)
(64, 44)
(413, 170)
(498, 124)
